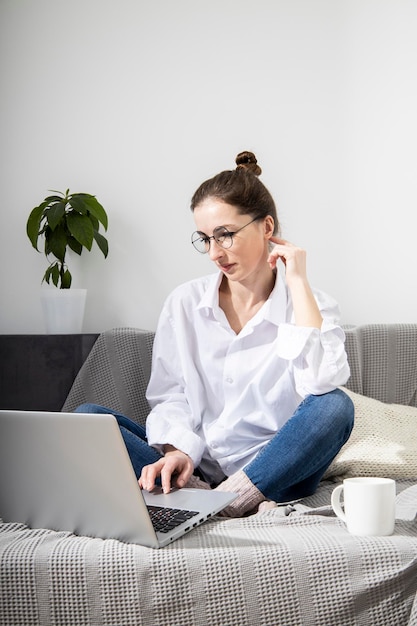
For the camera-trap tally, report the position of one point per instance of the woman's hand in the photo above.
(174, 464)
(294, 258)
(306, 311)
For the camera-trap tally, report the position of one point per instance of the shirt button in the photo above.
(229, 380)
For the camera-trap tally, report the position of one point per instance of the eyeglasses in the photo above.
(221, 235)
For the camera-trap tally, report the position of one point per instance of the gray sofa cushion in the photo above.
(383, 363)
(116, 373)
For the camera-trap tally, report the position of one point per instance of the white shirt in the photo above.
(220, 396)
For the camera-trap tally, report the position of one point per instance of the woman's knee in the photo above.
(347, 408)
(335, 409)
(341, 410)
(336, 401)
(89, 407)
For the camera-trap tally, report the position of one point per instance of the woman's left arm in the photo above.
(317, 348)
(306, 310)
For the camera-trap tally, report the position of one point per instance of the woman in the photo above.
(246, 361)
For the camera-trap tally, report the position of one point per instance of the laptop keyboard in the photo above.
(165, 519)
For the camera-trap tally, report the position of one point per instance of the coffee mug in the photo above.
(369, 505)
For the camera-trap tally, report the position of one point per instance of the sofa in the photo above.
(289, 566)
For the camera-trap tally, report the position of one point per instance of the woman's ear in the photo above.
(269, 225)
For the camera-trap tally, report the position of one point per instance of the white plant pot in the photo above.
(63, 310)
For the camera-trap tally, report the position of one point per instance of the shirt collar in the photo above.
(210, 299)
(274, 309)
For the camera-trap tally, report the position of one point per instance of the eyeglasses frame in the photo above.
(230, 234)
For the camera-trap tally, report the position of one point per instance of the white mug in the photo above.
(369, 505)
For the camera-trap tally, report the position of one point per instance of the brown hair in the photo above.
(240, 188)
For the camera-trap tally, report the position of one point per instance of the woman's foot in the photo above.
(249, 496)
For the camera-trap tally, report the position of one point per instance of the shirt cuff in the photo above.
(292, 340)
(181, 438)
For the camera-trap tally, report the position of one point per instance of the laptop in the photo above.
(71, 472)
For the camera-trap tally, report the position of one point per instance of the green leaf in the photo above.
(47, 274)
(60, 278)
(55, 214)
(102, 243)
(55, 274)
(75, 245)
(50, 199)
(56, 242)
(81, 229)
(34, 222)
(78, 204)
(66, 280)
(94, 221)
(97, 210)
(52, 273)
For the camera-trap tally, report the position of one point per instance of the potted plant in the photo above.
(66, 221)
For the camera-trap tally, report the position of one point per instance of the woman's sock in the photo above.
(249, 496)
(196, 483)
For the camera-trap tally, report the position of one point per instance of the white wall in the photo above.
(138, 102)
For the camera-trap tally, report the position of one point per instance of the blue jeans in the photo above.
(291, 465)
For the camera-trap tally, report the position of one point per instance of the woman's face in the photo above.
(249, 251)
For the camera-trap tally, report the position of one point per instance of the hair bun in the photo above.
(247, 160)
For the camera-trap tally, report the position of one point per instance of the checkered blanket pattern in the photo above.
(296, 570)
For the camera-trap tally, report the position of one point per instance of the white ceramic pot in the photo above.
(63, 310)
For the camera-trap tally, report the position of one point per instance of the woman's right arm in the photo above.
(170, 427)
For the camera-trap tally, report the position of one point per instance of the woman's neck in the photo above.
(250, 292)
(240, 301)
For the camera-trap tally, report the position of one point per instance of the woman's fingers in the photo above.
(174, 463)
(149, 475)
(294, 258)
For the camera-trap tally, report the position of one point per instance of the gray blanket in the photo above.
(295, 567)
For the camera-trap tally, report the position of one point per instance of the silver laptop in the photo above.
(72, 472)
